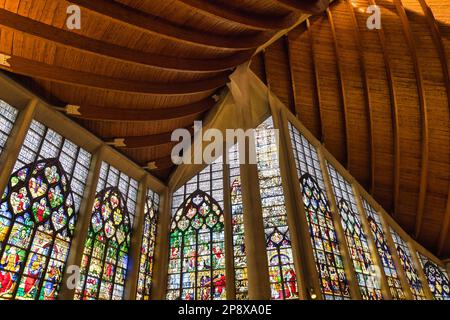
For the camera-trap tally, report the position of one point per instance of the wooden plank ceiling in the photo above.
(379, 101)
(137, 70)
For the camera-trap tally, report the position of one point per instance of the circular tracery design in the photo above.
(197, 257)
(37, 220)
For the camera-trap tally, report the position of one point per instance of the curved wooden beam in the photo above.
(307, 6)
(368, 100)
(395, 118)
(288, 52)
(120, 114)
(340, 76)
(423, 110)
(40, 70)
(248, 20)
(162, 28)
(137, 142)
(73, 40)
(437, 38)
(317, 95)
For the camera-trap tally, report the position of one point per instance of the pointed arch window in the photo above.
(408, 266)
(437, 278)
(8, 116)
(363, 264)
(197, 238)
(105, 258)
(283, 276)
(384, 252)
(324, 240)
(38, 212)
(145, 278)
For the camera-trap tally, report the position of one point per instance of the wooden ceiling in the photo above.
(137, 70)
(379, 101)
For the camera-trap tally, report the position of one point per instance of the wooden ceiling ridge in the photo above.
(91, 112)
(162, 28)
(243, 18)
(307, 6)
(424, 117)
(76, 41)
(40, 70)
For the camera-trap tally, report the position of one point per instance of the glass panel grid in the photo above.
(384, 252)
(283, 279)
(145, 278)
(237, 224)
(437, 278)
(197, 239)
(38, 213)
(357, 244)
(408, 266)
(8, 116)
(324, 240)
(105, 258)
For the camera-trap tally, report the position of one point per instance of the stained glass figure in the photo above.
(145, 278)
(8, 117)
(384, 252)
(105, 258)
(283, 277)
(38, 213)
(408, 266)
(357, 244)
(237, 221)
(324, 240)
(197, 239)
(437, 278)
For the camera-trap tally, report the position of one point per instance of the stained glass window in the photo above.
(324, 240)
(197, 239)
(105, 258)
(437, 278)
(390, 271)
(151, 212)
(357, 244)
(38, 212)
(283, 280)
(408, 265)
(8, 117)
(237, 221)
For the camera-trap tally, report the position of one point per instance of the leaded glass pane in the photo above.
(324, 240)
(437, 278)
(283, 278)
(357, 244)
(38, 214)
(8, 117)
(408, 266)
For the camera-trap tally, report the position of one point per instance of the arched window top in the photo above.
(40, 195)
(198, 212)
(110, 218)
(314, 196)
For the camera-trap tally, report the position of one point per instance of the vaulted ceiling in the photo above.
(137, 70)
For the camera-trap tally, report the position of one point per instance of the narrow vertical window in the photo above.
(145, 279)
(237, 221)
(356, 239)
(324, 240)
(38, 214)
(197, 238)
(408, 266)
(283, 278)
(390, 271)
(437, 278)
(105, 257)
(8, 117)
